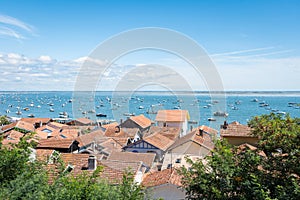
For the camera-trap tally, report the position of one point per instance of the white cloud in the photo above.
(4, 19)
(19, 72)
(14, 28)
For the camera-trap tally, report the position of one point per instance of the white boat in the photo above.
(51, 110)
(19, 112)
(221, 114)
(31, 115)
(7, 111)
(129, 114)
(141, 107)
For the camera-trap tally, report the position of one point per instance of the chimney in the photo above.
(225, 125)
(191, 127)
(117, 129)
(121, 121)
(201, 132)
(92, 163)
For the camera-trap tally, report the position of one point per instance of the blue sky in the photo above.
(252, 43)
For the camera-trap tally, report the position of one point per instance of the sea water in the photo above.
(240, 106)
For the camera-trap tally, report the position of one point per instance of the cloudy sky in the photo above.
(254, 45)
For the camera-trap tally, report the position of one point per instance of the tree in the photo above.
(3, 120)
(232, 173)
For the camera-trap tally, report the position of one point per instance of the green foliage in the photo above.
(231, 173)
(4, 120)
(21, 179)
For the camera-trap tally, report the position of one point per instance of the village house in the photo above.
(196, 145)
(37, 122)
(147, 159)
(114, 130)
(61, 145)
(157, 142)
(165, 184)
(173, 118)
(237, 134)
(141, 122)
(81, 122)
(97, 143)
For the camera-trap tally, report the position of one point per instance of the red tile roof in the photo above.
(19, 124)
(170, 132)
(162, 177)
(235, 129)
(55, 143)
(172, 116)
(146, 158)
(141, 120)
(36, 120)
(83, 120)
(206, 140)
(89, 138)
(159, 141)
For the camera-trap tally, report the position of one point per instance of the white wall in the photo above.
(167, 192)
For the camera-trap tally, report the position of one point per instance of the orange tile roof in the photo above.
(111, 145)
(41, 134)
(235, 129)
(55, 143)
(89, 138)
(113, 170)
(146, 158)
(162, 177)
(36, 120)
(12, 137)
(122, 141)
(170, 132)
(113, 125)
(69, 133)
(172, 116)
(82, 120)
(159, 141)
(141, 120)
(19, 124)
(43, 154)
(193, 136)
(56, 125)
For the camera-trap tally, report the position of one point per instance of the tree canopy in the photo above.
(270, 171)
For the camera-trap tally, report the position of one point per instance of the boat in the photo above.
(91, 111)
(129, 114)
(192, 122)
(101, 115)
(19, 112)
(254, 100)
(31, 115)
(221, 114)
(38, 106)
(7, 111)
(141, 107)
(26, 109)
(51, 109)
(211, 119)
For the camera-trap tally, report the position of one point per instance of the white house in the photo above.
(173, 118)
(164, 184)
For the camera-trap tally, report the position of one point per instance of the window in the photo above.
(178, 160)
(169, 166)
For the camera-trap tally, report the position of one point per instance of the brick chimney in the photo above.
(92, 162)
